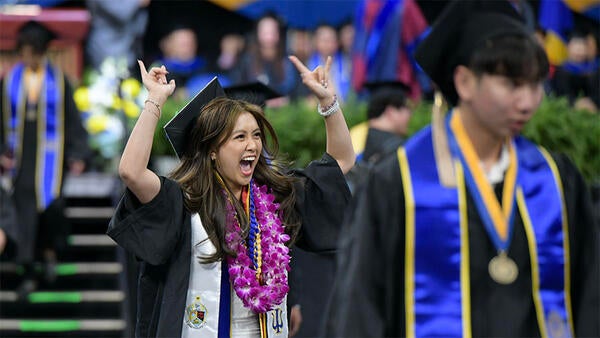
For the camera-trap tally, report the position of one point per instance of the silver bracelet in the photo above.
(329, 110)
(155, 104)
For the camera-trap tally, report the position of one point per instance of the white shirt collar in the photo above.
(496, 173)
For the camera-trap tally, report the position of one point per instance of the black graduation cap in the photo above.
(461, 28)
(254, 92)
(178, 129)
(35, 34)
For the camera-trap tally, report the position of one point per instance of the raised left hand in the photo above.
(316, 80)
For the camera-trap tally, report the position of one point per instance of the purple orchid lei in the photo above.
(274, 255)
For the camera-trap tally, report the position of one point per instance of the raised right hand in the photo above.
(155, 82)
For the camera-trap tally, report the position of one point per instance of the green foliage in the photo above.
(576, 133)
(301, 131)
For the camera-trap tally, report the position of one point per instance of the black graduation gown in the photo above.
(368, 300)
(380, 143)
(159, 234)
(314, 273)
(565, 83)
(24, 196)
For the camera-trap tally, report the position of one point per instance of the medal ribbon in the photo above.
(254, 247)
(498, 219)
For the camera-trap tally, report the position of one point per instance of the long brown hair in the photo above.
(196, 174)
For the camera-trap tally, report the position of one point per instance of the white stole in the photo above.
(201, 317)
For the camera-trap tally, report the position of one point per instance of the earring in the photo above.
(213, 156)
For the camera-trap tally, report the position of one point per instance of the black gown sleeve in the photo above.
(150, 231)
(76, 137)
(584, 250)
(322, 196)
(368, 294)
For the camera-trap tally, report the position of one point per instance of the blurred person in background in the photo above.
(388, 116)
(300, 44)
(179, 49)
(117, 30)
(578, 78)
(265, 60)
(346, 34)
(326, 43)
(42, 139)
(232, 47)
(386, 128)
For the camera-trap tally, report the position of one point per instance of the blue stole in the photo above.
(224, 330)
(50, 129)
(582, 68)
(195, 65)
(437, 275)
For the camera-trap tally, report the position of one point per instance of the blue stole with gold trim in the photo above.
(50, 129)
(437, 271)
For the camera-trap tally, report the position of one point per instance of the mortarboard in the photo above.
(461, 28)
(255, 92)
(179, 127)
(33, 30)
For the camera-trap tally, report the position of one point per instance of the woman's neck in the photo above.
(268, 53)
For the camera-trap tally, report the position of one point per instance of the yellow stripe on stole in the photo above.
(409, 246)
(566, 245)
(40, 163)
(60, 135)
(535, 269)
(358, 135)
(262, 319)
(498, 214)
(465, 276)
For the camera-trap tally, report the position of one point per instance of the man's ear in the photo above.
(465, 83)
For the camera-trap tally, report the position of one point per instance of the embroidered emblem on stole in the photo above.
(195, 314)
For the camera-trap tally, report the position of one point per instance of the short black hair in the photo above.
(383, 98)
(518, 57)
(36, 35)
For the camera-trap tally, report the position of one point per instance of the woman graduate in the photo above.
(472, 230)
(213, 237)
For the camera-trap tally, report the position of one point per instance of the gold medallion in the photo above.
(503, 269)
